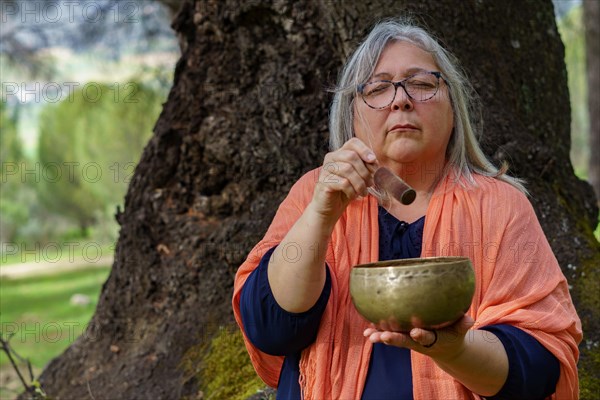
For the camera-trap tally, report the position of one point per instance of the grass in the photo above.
(39, 312)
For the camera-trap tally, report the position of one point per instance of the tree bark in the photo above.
(247, 116)
(591, 16)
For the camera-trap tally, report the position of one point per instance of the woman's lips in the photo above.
(403, 127)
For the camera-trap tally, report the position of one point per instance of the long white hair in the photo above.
(463, 154)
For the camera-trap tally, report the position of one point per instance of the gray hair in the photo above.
(464, 154)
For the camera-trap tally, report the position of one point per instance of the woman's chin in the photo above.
(402, 156)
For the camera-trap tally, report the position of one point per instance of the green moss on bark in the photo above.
(589, 368)
(586, 293)
(222, 367)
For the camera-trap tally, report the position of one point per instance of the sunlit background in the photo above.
(82, 87)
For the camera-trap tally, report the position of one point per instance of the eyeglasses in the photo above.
(419, 87)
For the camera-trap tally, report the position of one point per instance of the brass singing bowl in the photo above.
(399, 295)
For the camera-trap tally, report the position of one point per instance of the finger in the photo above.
(389, 338)
(396, 339)
(375, 337)
(362, 149)
(363, 168)
(384, 326)
(372, 167)
(333, 177)
(393, 324)
(422, 336)
(348, 170)
(357, 174)
(369, 331)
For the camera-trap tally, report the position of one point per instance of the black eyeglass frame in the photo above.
(437, 74)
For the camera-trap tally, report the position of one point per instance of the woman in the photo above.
(403, 103)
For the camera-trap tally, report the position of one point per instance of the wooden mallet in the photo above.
(395, 187)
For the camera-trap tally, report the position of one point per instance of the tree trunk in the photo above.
(591, 16)
(247, 116)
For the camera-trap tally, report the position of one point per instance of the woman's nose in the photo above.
(402, 101)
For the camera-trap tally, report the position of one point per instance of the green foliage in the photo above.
(13, 194)
(573, 36)
(225, 370)
(12, 148)
(572, 32)
(89, 146)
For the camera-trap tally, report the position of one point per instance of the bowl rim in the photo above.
(415, 262)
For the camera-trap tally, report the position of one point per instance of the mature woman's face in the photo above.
(407, 131)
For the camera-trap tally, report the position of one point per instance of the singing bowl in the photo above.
(403, 294)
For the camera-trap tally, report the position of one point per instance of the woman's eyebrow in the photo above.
(408, 72)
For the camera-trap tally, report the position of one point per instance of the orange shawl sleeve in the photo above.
(518, 282)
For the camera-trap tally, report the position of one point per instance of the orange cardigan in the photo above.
(518, 282)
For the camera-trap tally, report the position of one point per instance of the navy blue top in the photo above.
(532, 374)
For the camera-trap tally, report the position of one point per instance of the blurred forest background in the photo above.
(81, 91)
(82, 87)
(79, 100)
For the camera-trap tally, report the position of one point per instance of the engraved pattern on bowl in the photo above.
(420, 292)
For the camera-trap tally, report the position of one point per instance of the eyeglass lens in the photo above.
(420, 87)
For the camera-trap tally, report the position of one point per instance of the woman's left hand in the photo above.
(478, 361)
(442, 344)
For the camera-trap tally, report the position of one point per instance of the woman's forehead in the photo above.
(403, 58)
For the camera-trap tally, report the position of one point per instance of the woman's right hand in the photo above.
(347, 173)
